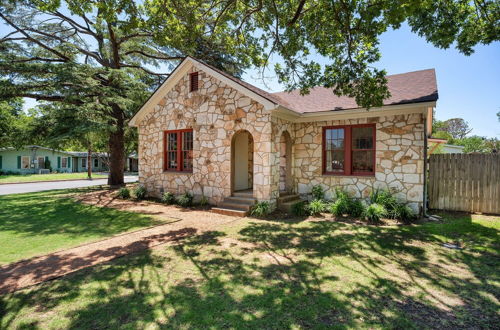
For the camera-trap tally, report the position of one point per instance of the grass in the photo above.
(46, 177)
(39, 223)
(284, 274)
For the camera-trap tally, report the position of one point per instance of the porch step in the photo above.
(286, 202)
(243, 193)
(237, 205)
(229, 211)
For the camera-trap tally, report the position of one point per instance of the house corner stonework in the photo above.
(215, 112)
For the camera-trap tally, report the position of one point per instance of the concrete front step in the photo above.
(229, 211)
(230, 204)
(243, 193)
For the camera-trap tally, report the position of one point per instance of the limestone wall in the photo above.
(215, 112)
(399, 158)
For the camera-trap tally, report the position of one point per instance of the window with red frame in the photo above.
(193, 82)
(349, 150)
(178, 150)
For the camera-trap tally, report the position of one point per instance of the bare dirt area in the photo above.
(182, 223)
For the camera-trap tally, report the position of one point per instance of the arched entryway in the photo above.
(242, 161)
(285, 152)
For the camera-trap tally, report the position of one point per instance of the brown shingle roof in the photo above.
(411, 87)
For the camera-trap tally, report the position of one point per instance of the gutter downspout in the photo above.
(424, 211)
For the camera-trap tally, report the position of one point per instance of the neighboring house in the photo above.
(206, 132)
(98, 161)
(32, 159)
(439, 146)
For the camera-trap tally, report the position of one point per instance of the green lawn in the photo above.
(39, 223)
(46, 177)
(284, 275)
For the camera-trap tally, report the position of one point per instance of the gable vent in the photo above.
(193, 79)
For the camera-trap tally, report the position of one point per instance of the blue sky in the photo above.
(468, 86)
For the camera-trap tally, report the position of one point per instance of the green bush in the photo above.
(140, 192)
(168, 198)
(403, 213)
(317, 192)
(203, 200)
(185, 200)
(384, 198)
(123, 193)
(340, 207)
(374, 212)
(356, 208)
(316, 207)
(261, 209)
(300, 209)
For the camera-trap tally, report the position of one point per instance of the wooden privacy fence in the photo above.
(465, 182)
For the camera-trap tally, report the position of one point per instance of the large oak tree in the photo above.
(102, 59)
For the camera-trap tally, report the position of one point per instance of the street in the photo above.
(17, 188)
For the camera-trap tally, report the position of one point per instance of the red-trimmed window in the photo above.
(178, 155)
(193, 81)
(349, 150)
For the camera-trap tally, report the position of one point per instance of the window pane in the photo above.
(187, 151)
(64, 162)
(362, 137)
(172, 151)
(25, 162)
(362, 161)
(334, 138)
(335, 161)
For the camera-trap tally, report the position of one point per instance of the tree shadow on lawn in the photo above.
(282, 276)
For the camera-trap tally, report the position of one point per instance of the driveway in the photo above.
(18, 188)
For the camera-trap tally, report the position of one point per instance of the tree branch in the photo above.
(41, 44)
(157, 57)
(298, 12)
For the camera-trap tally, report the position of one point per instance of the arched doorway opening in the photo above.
(242, 161)
(285, 152)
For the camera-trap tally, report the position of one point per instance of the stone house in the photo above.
(208, 133)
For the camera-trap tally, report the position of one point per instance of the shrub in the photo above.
(384, 198)
(317, 192)
(356, 208)
(168, 198)
(185, 200)
(140, 192)
(300, 209)
(403, 213)
(203, 200)
(124, 193)
(260, 209)
(340, 207)
(374, 212)
(316, 206)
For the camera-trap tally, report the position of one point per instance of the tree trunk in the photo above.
(117, 149)
(89, 163)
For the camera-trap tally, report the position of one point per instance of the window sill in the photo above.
(178, 172)
(371, 175)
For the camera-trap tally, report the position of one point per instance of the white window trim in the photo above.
(84, 162)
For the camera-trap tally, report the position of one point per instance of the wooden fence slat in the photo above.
(465, 182)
